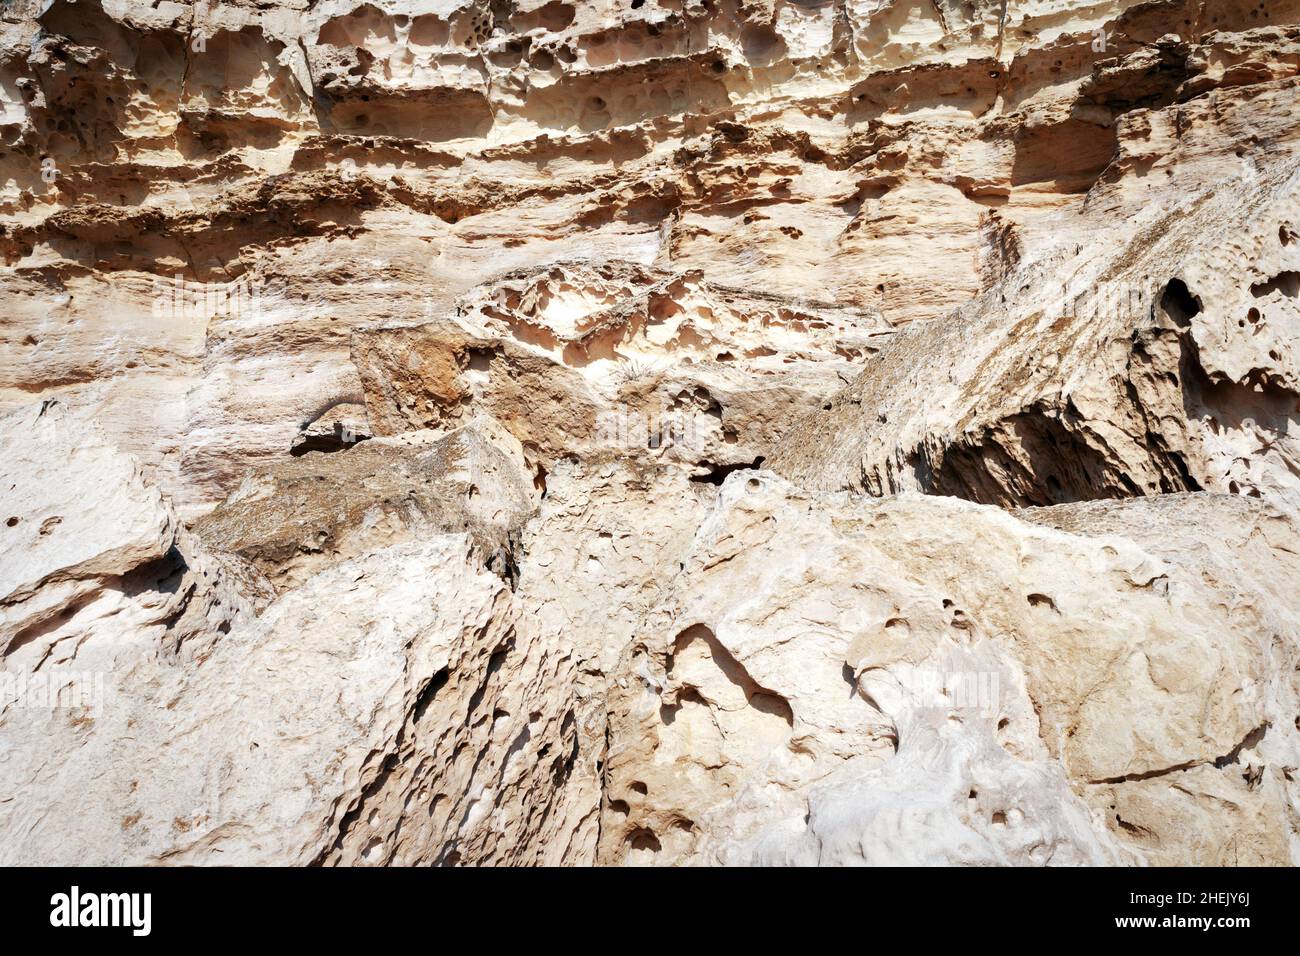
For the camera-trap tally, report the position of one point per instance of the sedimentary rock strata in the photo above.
(673, 432)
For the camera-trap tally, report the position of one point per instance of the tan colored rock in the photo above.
(892, 158)
(924, 681)
(535, 432)
(616, 360)
(1148, 361)
(322, 508)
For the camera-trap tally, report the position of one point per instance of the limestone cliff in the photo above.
(650, 432)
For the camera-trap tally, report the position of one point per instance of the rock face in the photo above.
(678, 432)
(917, 680)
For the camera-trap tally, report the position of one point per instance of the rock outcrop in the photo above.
(673, 432)
(917, 680)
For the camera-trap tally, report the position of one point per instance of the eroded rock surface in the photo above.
(678, 433)
(916, 680)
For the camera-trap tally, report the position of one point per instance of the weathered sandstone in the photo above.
(672, 432)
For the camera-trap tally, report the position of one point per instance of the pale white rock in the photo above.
(386, 712)
(418, 364)
(926, 681)
(95, 565)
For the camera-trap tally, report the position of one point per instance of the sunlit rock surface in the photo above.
(675, 432)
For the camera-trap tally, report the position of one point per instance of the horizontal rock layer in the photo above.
(676, 432)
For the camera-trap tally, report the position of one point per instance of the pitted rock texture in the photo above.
(912, 680)
(666, 432)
